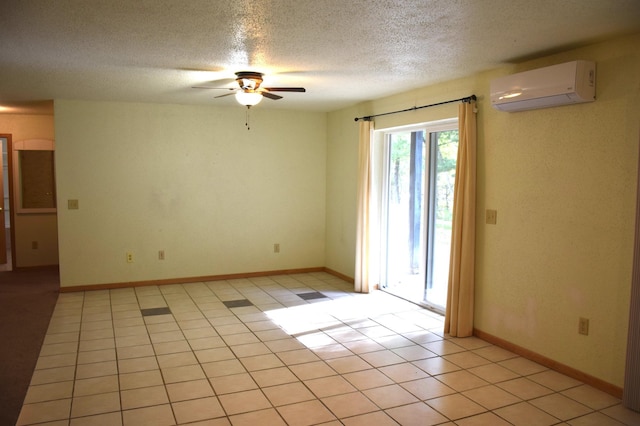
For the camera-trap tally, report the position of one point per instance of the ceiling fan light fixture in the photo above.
(248, 98)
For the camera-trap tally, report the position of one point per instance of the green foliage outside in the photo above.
(446, 174)
(447, 151)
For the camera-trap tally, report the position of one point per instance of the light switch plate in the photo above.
(491, 217)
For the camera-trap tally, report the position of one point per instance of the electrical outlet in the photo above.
(73, 205)
(129, 257)
(276, 248)
(583, 326)
(160, 254)
(491, 217)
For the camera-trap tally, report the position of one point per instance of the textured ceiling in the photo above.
(341, 51)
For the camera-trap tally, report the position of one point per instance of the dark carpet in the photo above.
(27, 300)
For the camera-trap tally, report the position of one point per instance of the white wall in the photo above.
(342, 167)
(563, 182)
(191, 181)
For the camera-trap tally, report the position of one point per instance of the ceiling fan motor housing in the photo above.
(249, 80)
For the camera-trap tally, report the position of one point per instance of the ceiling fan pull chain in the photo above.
(247, 118)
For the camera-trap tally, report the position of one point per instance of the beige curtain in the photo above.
(458, 320)
(364, 195)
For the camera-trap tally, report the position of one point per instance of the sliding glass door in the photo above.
(418, 200)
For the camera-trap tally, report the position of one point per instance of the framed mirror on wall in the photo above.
(34, 176)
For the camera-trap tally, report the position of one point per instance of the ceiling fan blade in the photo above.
(215, 88)
(198, 69)
(226, 94)
(217, 84)
(285, 89)
(271, 95)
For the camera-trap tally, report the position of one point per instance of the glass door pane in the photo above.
(443, 147)
(405, 226)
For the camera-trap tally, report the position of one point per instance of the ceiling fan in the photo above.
(249, 91)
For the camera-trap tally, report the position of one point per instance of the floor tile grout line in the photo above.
(75, 377)
(164, 381)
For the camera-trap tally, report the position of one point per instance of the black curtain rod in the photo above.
(369, 117)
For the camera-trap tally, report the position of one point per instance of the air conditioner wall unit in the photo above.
(569, 83)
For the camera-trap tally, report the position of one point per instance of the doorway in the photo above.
(418, 188)
(6, 256)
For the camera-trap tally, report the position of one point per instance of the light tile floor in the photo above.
(294, 350)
